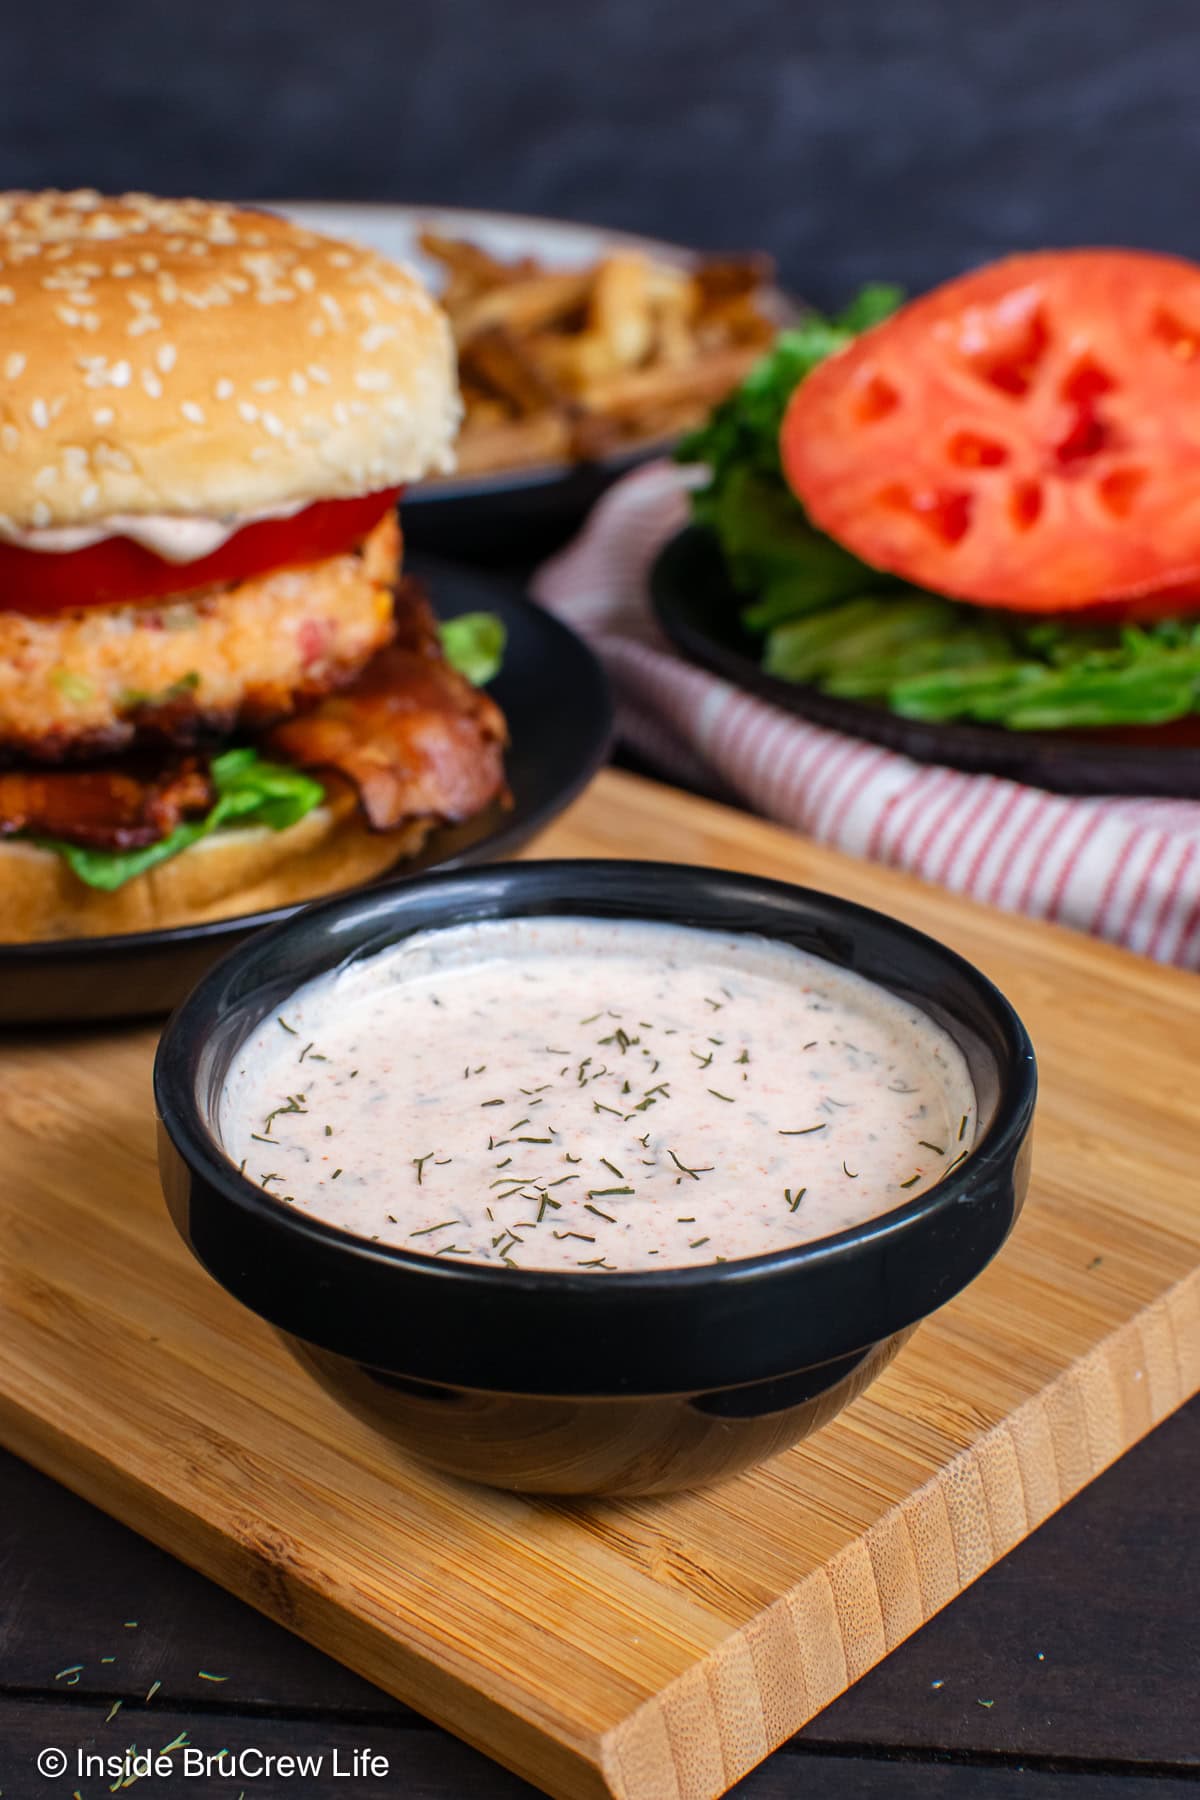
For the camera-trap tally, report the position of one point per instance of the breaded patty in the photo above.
(102, 679)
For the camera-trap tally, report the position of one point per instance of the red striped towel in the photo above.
(1124, 869)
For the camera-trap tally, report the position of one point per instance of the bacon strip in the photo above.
(102, 809)
(414, 738)
(411, 735)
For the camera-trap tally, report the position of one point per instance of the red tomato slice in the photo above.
(117, 571)
(1026, 436)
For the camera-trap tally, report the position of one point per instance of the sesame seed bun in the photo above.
(233, 872)
(193, 357)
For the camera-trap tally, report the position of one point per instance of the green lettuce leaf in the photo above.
(250, 791)
(742, 433)
(474, 645)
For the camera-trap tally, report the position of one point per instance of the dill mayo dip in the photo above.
(595, 1095)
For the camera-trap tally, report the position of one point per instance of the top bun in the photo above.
(194, 357)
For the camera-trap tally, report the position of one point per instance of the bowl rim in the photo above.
(370, 921)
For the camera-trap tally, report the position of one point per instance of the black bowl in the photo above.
(625, 1383)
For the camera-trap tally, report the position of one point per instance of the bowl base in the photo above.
(538, 1444)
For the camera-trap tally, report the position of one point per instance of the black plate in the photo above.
(555, 698)
(697, 607)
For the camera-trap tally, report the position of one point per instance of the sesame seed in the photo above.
(108, 456)
(41, 514)
(112, 266)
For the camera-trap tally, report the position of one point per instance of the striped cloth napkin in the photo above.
(1124, 869)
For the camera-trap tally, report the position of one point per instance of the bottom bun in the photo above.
(232, 872)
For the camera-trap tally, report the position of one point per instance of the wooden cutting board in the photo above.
(654, 1650)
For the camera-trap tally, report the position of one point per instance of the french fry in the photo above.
(471, 264)
(483, 408)
(674, 329)
(733, 317)
(663, 280)
(638, 391)
(499, 360)
(525, 305)
(513, 444)
(593, 436)
(619, 309)
(721, 277)
(573, 360)
(671, 421)
(574, 364)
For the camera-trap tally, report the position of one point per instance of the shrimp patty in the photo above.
(180, 671)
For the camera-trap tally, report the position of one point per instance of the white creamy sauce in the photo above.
(176, 537)
(587, 1094)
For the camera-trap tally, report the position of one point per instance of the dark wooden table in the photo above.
(1071, 1670)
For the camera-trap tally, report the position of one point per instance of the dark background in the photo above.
(855, 138)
